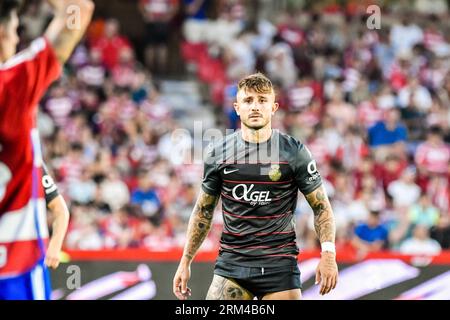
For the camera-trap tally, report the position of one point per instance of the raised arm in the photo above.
(198, 228)
(324, 224)
(71, 18)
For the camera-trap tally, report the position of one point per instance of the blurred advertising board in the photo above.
(142, 275)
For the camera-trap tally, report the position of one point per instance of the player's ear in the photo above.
(236, 107)
(275, 106)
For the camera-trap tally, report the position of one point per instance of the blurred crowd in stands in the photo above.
(372, 105)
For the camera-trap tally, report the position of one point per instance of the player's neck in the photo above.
(3, 57)
(256, 136)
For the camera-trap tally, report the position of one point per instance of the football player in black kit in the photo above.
(257, 172)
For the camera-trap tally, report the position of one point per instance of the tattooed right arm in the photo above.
(198, 228)
(199, 224)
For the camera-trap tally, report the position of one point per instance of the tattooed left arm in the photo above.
(323, 215)
(324, 225)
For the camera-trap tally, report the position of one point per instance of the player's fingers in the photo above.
(181, 296)
(177, 288)
(317, 276)
(48, 262)
(328, 280)
(188, 293)
(334, 282)
(176, 285)
(51, 261)
(54, 261)
(323, 287)
(183, 285)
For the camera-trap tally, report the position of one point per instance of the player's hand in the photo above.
(52, 256)
(182, 276)
(327, 272)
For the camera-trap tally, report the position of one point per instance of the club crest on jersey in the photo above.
(275, 172)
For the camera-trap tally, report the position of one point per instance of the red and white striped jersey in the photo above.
(432, 39)
(300, 97)
(60, 109)
(369, 113)
(434, 158)
(23, 81)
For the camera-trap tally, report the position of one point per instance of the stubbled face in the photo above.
(255, 109)
(9, 37)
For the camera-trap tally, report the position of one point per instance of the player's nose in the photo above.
(255, 106)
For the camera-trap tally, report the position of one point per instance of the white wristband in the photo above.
(328, 246)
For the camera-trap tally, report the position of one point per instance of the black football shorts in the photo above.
(260, 281)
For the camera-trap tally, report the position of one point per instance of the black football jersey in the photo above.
(258, 184)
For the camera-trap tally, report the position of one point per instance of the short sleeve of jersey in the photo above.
(50, 188)
(28, 74)
(212, 182)
(306, 173)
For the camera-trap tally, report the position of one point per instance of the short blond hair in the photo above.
(257, 82)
